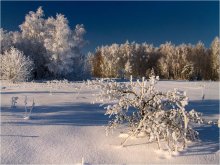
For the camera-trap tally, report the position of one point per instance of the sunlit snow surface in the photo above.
(65, 126)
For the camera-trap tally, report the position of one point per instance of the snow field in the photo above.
(65, 127)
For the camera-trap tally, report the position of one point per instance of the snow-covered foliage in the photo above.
(5, 39)
(188, 71)
(15, 66)
(215, 58)
(52, 45)
(160, 116)
(191, 62)
(130, 58)
(62, 45)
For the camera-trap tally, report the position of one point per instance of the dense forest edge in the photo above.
(47, 48)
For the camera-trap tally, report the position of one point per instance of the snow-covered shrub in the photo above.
(15, 66)
(160, 116)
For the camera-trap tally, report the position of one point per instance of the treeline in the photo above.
(191, 62)
(48, 48)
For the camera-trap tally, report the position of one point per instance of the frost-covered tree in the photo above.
(33, 32)
(53, 46)
(166, 62)
(128, 69)
(215, 58)
(57, 46)
(8, 39)
(197, 57)
(107, 61)
(96, 61)
(33, 26)
(79, 60)
(64, 47)
(188, 71)
(5, 39)
(15, 66)
(182, 52)
(159, 116)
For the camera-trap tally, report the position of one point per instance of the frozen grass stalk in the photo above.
(14, 102)
(28, 115)
(25, 106)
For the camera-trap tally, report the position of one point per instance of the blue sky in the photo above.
(115, 22)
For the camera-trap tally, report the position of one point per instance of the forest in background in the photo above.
(185, 61)
(47, 48)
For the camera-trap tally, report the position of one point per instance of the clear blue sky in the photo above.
(116, 22)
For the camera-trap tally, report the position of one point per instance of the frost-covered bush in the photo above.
(15, 66)
(159, 116)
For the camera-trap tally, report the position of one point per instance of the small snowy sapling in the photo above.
(160, 116)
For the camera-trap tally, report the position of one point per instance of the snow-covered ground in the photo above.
(65, 127)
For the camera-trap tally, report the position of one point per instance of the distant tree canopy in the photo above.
(55, 51)
(53, 47)
(192, 62)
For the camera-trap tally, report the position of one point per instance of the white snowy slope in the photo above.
(65, 126)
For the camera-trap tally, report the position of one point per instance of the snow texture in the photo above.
(65, 128)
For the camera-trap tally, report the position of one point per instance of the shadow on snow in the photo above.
(208, 134)
(85, 114)
(78, 114)
(208, 108)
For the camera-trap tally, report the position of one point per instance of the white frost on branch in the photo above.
(15, 66)
(160, 116)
